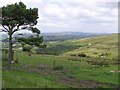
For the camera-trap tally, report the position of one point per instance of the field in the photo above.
(79, 63)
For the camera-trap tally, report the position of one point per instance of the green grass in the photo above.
(75, 66)
(81, 70)
(101, 74)
(21, 79)
(100, 45)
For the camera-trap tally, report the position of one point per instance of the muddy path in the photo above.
(60, 76)
(77, 83)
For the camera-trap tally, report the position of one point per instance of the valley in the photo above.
(90, 62)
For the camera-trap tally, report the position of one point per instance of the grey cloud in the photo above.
(71, 15)
(108, 4)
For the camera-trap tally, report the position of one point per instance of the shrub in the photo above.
(100, 63)
(82, 55)
(95, 53)
(73, 55)
(27, 49)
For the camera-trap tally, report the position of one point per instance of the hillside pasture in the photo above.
(42, 67)
(79, 63)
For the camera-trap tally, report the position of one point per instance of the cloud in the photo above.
(4, 2)
(67, 12)
(75, 14)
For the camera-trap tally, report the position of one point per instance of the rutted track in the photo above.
(69, 81)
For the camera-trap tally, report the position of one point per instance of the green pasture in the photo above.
(45, 71)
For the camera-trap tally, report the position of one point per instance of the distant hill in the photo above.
(67, 35)
(54, 36)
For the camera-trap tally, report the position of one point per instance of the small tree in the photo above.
(27, 49)
(16, 17)
(31, 41)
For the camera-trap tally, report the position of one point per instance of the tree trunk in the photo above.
(10, 52)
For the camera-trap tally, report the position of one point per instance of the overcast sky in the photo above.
(74, 15)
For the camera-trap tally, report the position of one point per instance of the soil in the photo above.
(61, 77)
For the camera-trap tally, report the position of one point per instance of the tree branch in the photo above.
(16, 29)
(19, 29)
(5, 28)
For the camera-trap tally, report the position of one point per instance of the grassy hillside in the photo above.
(39, 71)
(70, 68)
(98, 47)
(21, 79)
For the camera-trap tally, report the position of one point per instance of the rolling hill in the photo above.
(98, 47)
(105, 46)
(80, 63)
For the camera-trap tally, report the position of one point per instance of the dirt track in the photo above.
(67, 80)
